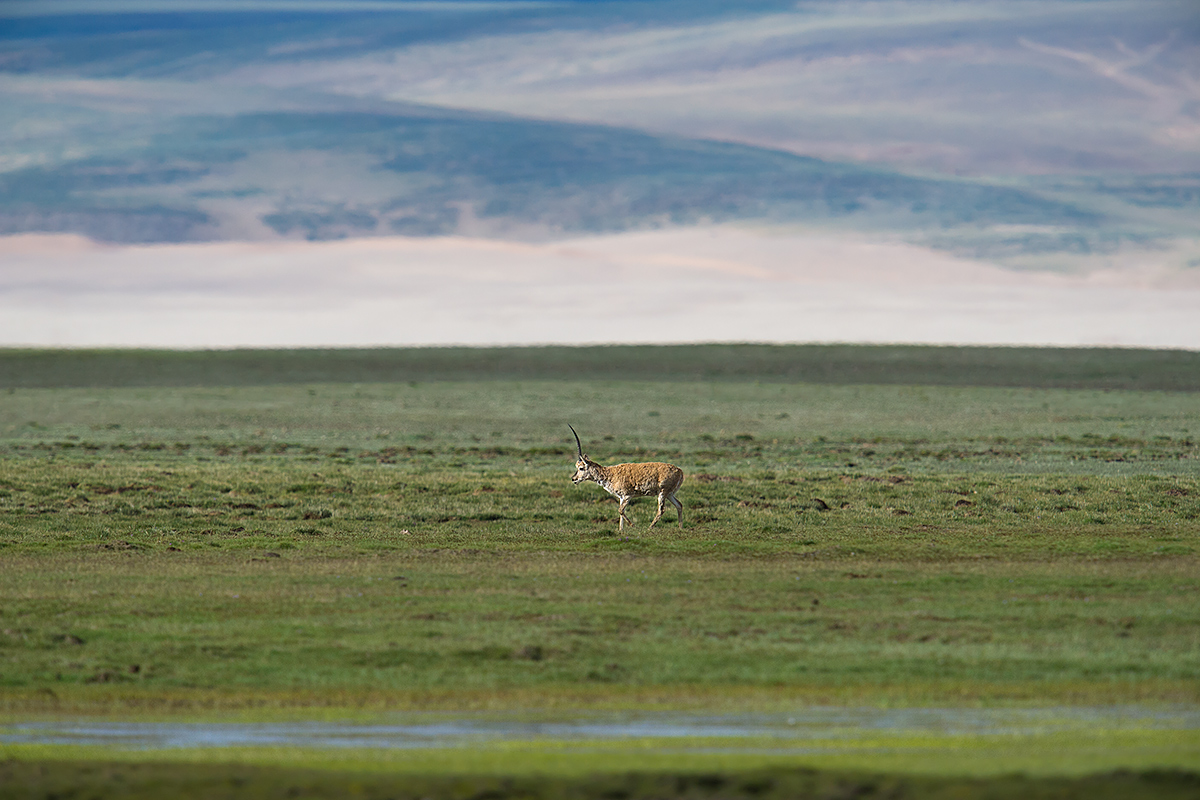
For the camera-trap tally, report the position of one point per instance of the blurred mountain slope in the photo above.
(1073, 126)
(427, 172)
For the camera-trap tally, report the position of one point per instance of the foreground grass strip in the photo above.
(479, 622)
(129, 781)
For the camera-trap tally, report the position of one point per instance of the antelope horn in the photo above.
(578, 445)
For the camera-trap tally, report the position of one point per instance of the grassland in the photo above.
(150, 781)
(838, 365)
(293, 548)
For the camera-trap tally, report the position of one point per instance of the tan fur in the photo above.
(627, 481)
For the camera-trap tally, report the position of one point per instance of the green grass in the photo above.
(955, 754)
(950, 533)
(978, 538)
(131, 781)
(473, 623)
(351, 548)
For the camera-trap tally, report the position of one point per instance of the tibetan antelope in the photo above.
(627, 481)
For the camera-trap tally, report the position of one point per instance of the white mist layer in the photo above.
(683, 285)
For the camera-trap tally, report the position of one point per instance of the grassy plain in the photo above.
(151, 780)
(357, 548)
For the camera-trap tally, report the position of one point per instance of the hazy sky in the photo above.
(721, 284)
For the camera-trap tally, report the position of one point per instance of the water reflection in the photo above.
(443, 730)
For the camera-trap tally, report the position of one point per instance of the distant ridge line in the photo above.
(1027, 367)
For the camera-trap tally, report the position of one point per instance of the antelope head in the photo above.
(585, 468)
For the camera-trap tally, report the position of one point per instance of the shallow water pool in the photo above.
(795, 730)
